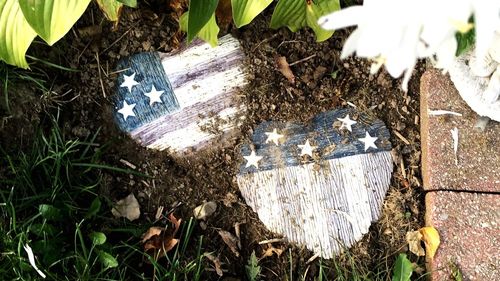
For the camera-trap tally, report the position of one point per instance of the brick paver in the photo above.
(469, 226)
(478, 167)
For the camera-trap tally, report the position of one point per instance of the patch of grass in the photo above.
(49, 200)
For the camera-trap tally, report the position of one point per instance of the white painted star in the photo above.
(129, 82)
(154, 95)
(369, 141)
(127, 110)
(252, 160)
(347, 123)
(306, 149)
(273, 136)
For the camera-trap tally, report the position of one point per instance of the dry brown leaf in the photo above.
(224, 14)
(128, 207)
(152, 231)
(430, 236)
(414, 239)
(270, 251)
(284, 68)
(230, 241)
(238, 232)
(161, 240)
(176, 222)
(215, 260)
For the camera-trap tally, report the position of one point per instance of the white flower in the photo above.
(31, 258)
(396, 33)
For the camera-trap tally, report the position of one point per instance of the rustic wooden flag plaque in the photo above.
(321, 184)
(181, 100)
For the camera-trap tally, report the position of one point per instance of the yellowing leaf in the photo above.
(208, 33)
(111, 9)
(296, 14)
(414, 239)
(52, 19)
(430, 236)
(16, 34)
(244, 11)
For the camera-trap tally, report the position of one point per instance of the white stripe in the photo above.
(192, 134)
(325, 209)
(196, 91)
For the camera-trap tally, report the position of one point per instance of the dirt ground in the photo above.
(323, 82)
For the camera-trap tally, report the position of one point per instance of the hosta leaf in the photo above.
(244, 11)
(130, 3)
(208, 33)
(296, 14)
(52, 19)
(16, 34)
(402, 269)
(110, 8)
(201, 13)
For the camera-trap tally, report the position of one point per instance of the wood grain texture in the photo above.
(199, 84)
(326, 202)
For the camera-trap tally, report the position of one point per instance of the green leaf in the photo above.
(253, 268)
(111, 9)
(208, 33)
(244, 11)
(201, 12)
(107, 260)
(52, 19)
(296, 14)
(94, 208)
(465, 41)
(98, 238)
(50, 212)
(130, 3)
(402, 269)
(43, 229)
(16, 34)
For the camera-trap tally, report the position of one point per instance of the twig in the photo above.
(117, 40)
(401, 137)
(443, 112)
(100, 75)
(274, 240)
(302, 60)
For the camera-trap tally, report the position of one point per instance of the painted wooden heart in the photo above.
(181, 100)
(321, 184)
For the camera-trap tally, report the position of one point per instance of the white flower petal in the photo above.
(350, 44)
(344, 18)
(31, 258)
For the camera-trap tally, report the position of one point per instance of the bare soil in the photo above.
(323, 82)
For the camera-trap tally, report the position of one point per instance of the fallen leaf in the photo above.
(230, 199)
(205, 210)
(127, 207)
(430, 236)
(230, 241)
(284, 68)
(238, 232)
(224, 14)
(216, 262)
(176, 222)
(152, 231)
(414, 239)
(270, 251)
(161, 240)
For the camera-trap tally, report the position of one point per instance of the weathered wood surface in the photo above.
(198, 85)
(473, 89)
(325, 202)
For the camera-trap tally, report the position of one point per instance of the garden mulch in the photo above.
(323, 82)
(463, 201)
